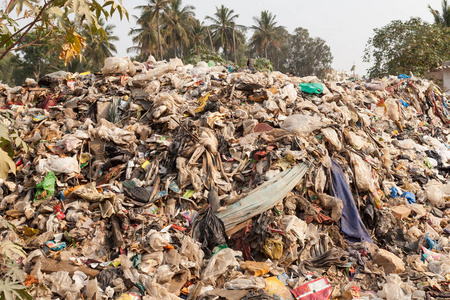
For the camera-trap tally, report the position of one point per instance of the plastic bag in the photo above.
(311, 88)
(58, 165)
(276, 288)
(62, 283)
(441, 266)
(290, 92)
(273, 247)
(246, 282)
(335, 204)
(211, 232)
(220, 262)
(302, 124)
(434, 194)
(394, 289)
(158, 240)
(295, 227)
(363, 173)
(46, 188)
(118, 65)
(331, 135)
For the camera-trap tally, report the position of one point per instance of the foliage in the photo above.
(203, 54)
(11, 276)
(266, 33)
(306, 55)
(404, 47)
(178, 21)
(9, 140)
(54, 19)
(36, 59)
(444, 18)
(99, 48)
(222, 29)
(9, 67)
(263, 65)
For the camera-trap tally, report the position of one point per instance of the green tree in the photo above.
(36, 59)
(266, 33)
(224, 28)
(444, 18)
(152, 14)
(145, 36)
(99, 48)
(178, 21)
(8, 69)
(198, 36)
(307, 55)
(53, 19)
(412, 46)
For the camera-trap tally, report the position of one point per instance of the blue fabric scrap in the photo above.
(350, 222)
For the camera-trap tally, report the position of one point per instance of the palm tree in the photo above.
(145, 38)
(97, 48)
(444, 19)
(222, 28)
(198, 36)
(177, 21)
(266, 33)
(152, 13)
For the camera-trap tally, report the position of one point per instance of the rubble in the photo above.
(160, 180)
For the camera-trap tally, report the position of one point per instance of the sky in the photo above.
(345, 25)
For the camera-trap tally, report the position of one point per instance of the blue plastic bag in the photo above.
(410, 197)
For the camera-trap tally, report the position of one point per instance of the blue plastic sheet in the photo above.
(403, 76)
(403, 103)
(394, 192)
(409, 196)
(350, 223)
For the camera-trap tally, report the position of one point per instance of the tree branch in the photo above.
(38, 17)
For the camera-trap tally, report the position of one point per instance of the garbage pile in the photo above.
(160, 180)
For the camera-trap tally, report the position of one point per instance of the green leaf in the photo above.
(8, 248)
(9, 290)
(6, 164)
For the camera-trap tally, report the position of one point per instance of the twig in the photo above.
(185, 129)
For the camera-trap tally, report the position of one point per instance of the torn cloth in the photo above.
(350, 223)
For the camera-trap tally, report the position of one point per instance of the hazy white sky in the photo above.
(345, 25)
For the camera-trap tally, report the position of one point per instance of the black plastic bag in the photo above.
(211, 232)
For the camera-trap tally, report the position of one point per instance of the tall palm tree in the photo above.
(152, 13)
(444, 18)
(198, 36)
(178, 21)
(145, 38)
(222, 28)
(97, 48)
(266, 33)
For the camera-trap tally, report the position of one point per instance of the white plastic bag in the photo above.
(363, 173)
(220, 262)
(434, 193)
(302, 124)
(393, 289)
(295, 227)
(118, 65)
(58, 165)
(331, 135)
(246, 282)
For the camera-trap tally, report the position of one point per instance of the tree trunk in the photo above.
(265, 50)
(234, 46)
(210, 39)
(175, 47)
(159, 36)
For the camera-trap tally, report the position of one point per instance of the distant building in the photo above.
(441, 76)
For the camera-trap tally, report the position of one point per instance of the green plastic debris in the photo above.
(46, 188)
(311, 88)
